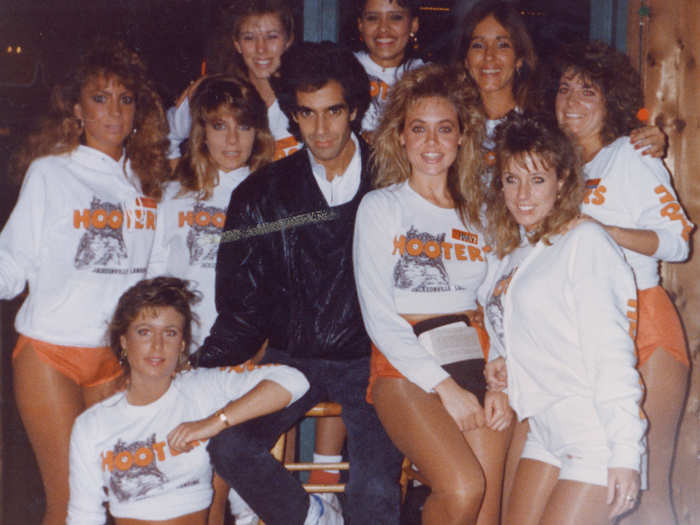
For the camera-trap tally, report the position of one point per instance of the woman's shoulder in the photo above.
(386, 197)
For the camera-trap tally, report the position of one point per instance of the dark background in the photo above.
(39, 39)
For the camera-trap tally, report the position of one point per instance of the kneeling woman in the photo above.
(561, 310)
(419, 259)
(144, 447)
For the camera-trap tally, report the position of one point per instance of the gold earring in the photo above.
(414, 40)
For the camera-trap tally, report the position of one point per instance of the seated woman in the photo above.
(560, 309)
(143, 449)
(419, 258)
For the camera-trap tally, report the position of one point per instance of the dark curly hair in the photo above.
(612, 72)
(506, 14)
(221, 55)
(61, 132)
(197, 172)
(389, 157)
(413, 7)
(537, 135)
(147, 295)
(308, 67)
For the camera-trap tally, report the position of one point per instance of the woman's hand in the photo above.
(184, 436)
(496, 374)
(498, 413)
(651, 138)
(461, 404)
(623, 489)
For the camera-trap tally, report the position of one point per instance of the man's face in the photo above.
(324, 120)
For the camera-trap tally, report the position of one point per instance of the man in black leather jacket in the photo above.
(284, 273)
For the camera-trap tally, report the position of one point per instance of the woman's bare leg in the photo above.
(490, 447)
(577, 503)
(421, 428)
(666, 382)
(48, 404)
(515, 449)
(95, 394)
(532, 487)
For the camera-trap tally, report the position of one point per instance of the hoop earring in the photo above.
(122, 356)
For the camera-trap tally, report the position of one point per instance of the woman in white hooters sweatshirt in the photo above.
(143, 450)
(252, 36)
(387, 29)
(80, 234)
(229, 139)
(632, 196)
(560, 309)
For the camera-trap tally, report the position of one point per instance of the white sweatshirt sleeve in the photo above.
(238, 380)
(654, 205)
(180, 123)
(373, 266)
(604, 287)
(21, 238)
(86, 492)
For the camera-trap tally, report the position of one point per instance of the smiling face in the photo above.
(229, 142)
(431, 136)
(530, 195)
(153, 343)
(385, 27)
(580, 109)
(261, 41)
(491, 59)
(324, 121)
(106, 109)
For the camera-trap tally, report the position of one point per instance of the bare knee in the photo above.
(461, 502)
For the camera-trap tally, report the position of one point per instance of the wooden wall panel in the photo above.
(670, 51)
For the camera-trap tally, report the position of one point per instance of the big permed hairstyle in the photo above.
(508, 16)
(197, 171)
(389, 158)
(309, 66)
(517, 137)
(61, 131)
(612, 72)
(144, 297)
(221, 54)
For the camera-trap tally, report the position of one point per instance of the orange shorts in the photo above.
(379, 366)
(659, 326)
(85, 366)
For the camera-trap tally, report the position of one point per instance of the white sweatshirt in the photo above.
(568, 324)
(80, 235)
(412, 257)
(121, 449)
(187, 242)
(381, 79)
(626, 189)
(180, 122)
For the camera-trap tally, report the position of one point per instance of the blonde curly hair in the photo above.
(389, 157)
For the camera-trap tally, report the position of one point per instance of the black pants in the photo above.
(241, 454)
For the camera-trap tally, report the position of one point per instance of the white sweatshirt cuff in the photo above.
(671, 246)
(180, 123)
(625, 456)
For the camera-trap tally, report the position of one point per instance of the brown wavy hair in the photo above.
(618, 81)
(221, 55)
(197, 171)
(61, 132)
(389, 157)
(506, 14)
(522, 135)
(149, 294)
